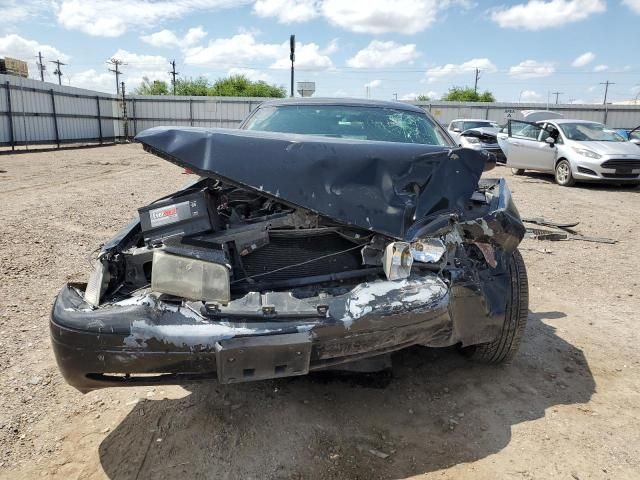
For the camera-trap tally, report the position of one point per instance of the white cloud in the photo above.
(383, 54)
(363, 16)
(383, 16)
(530, 96)
(229, 51)
(576, 101)
(600, 68)
(373, 84)
(633, 5)
(92, 80)
(136, 67)
(244, 47)
(309, 56)
(540, 14)
(112, 18)
(483, 64)
(287, 11)
(583, 59)
(14, 11)
(251, 74)
(532, 69)
(15, 46)
(168, 39)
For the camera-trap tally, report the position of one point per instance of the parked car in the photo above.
(632, 136)
(574, 150)
(476, 134)
(322, 234)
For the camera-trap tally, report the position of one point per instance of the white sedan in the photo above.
(476, 134)
(574, 150)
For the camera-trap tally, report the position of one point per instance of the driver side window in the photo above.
(524, 130)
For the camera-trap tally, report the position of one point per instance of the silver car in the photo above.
(477, 135)
(574, 150)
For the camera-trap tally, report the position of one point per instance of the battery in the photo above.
(184, 215)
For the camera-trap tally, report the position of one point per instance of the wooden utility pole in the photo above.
(116, 63)
(606, 90)
(57, 71)
(173, 74)
(41, 66)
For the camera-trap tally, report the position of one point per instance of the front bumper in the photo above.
(146, 341)
(122, 344)
(606, 169)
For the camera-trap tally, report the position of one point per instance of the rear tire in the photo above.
(563, 175)
(504, 348)
(517, 171)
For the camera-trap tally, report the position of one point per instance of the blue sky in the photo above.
(524, 49)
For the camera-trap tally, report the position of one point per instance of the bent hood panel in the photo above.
(379, 186)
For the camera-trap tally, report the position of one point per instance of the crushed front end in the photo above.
(230, 280)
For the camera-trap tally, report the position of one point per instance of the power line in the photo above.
(57, 71)
(41, 66)
(173, 74)
(116, 63)
(606, 90)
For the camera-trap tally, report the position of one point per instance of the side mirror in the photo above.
(457, 130)
(550, 141)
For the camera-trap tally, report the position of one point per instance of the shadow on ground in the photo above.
(537, 177)
(437, 410)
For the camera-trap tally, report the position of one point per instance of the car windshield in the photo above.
(589, 132)
(344, 121)
(477, 124)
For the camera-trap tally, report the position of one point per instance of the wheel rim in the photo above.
(562, 173)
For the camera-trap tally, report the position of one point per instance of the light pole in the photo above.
(292, 57)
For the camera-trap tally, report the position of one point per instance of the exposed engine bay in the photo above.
(326, 253)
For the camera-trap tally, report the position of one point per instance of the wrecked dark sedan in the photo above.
(320, 235)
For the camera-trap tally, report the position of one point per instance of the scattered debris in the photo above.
(378, 453)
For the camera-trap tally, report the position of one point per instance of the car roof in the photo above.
(472, 120)
(560, 121)
(352, 102)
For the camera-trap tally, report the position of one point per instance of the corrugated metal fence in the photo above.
(33, 112)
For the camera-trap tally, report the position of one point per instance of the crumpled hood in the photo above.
(481, 131)
(380, 186)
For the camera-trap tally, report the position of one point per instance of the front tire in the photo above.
(504, 348)
(563, 175)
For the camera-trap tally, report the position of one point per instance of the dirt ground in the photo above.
(568, 407)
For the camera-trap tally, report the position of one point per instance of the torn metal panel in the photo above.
(378, 186)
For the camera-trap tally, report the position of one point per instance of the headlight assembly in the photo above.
(587, 153)
(189, 278)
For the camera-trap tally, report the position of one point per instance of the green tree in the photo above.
(198, 87)
(241, 86)
(468, 94)
(147, 87)
(423, 98)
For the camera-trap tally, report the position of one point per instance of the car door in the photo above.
(454, 130)
(527, 148)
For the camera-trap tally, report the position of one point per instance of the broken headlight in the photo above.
(97, 284)
(429, 250)
(189, 278)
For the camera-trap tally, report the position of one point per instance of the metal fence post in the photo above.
(55, 116)
(124, 113)
(190, 112)
(7, 85)
(135, 117)
(99, 119)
